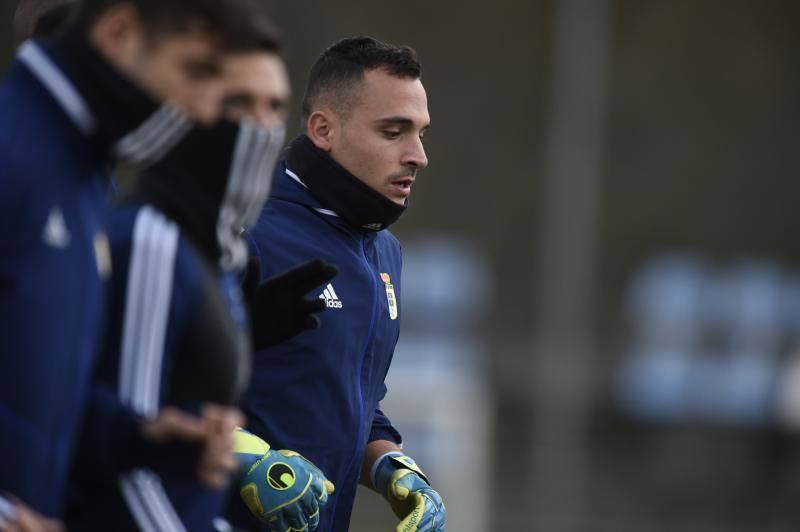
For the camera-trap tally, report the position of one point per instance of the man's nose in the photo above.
(416, 155)
(207, 108)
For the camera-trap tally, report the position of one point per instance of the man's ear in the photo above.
(320, 128)
(117, 31)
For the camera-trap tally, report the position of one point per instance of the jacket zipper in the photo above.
(370, 332)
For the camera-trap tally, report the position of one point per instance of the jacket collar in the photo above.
(287, 186)
(115, 115)
(58, 85)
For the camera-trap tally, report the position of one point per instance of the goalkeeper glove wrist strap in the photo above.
(385, 466)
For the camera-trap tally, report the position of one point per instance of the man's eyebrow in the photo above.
(204, 66)
(238, 96)
(399, 120)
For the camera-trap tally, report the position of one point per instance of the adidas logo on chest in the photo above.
(330, 297)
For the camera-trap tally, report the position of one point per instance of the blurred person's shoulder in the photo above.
(36, 135)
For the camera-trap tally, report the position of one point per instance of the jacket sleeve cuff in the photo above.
(388, 433)
(382, 429)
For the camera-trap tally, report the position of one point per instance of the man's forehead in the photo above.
(384, 96)
(187, 45)
(261, 68)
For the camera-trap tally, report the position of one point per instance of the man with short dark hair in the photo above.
(341, 184)
(70, 108)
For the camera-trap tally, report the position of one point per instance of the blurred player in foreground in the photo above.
(178, 334)
(342, 183)
(69, 109)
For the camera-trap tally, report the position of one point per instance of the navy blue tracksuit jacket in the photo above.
(173, 321)
(53, 261)
(319, 393)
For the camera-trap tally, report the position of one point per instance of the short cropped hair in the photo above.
(335, 76)
(235, 25)
(28, 14)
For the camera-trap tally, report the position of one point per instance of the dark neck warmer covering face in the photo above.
(123, 121)
(339, 190)
(214, 184)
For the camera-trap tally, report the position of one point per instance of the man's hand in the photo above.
(17, 517)
(213, 430)
(278, 307)
(420, 508)
(218, 462)
(281, 488)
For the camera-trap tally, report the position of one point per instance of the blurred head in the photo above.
(257, 88)
(176, 49)
(365, 106)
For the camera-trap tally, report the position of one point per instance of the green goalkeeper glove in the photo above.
(398, 478)
(281, 488)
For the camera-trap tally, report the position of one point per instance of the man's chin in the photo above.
(399, 200)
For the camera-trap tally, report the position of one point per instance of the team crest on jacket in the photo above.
(390, 297)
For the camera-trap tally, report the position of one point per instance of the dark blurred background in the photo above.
(602, 284)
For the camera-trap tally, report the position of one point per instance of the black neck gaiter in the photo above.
(213, 184)
(339, 190)
(128, 125)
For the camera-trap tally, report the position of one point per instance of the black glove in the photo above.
(278, 307)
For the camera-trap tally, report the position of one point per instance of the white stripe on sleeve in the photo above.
(147, 304)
